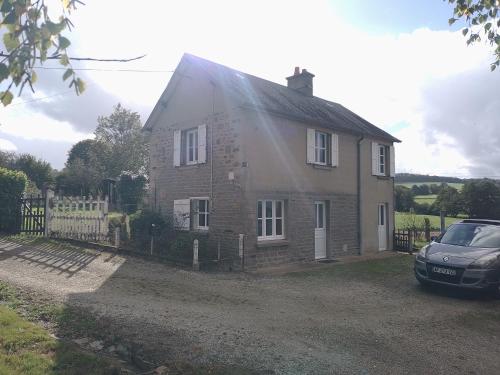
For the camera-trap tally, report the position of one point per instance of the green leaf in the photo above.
(4, 72)
(6, 97)
(67, 74)
(10, 41)
(487, 26)
(451, 21)
(34, 76)
(64, 60)
(465, 31)
(493, 67)
(63, 42)
(80, 85)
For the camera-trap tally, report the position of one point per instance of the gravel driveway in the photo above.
(365, 318)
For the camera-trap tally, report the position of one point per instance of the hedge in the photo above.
(12, 185)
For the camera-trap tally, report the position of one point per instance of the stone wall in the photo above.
(169, 183)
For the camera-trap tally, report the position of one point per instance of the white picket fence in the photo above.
(81, 218)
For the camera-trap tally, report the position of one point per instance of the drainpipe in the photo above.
(359, 193)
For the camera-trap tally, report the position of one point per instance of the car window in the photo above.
(473, 235)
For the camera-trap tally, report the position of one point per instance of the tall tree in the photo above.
(449, 200)
(483, 20)
(482, 199)
(121, 131)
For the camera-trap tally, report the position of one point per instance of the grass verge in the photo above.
(29, 348)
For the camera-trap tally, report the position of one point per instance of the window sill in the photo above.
(189, 166)
(323, 167)
(272, 243)
(384, 177)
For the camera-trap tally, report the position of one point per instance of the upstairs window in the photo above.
(190, 146)
(383, 162)
(322, 148)
(270, 220)
(381, 159)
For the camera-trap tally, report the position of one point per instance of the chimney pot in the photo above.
(297, 71)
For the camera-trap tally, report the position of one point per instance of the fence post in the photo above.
(117, 237)
(49, 194)
(152, 238)
(442, 222)
(241, 251)
(410, 242)
(427, 229)
(196, 265)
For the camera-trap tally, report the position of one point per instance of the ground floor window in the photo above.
(201, 213)
(270, 220)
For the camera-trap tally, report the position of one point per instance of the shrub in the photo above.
(141, 228)
(12, 184)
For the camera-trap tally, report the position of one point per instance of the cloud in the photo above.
(466, 108)
(6, 145)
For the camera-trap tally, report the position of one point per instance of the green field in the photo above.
(429, 199)
(402, 218)
(456, 185)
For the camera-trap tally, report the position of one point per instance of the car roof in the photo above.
(480, 221)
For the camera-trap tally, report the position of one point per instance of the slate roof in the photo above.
(260, 94)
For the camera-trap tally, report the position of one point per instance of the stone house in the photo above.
(300, 177)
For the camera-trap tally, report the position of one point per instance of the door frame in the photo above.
(324, 228)
(383, 218)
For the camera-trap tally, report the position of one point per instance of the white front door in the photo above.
(319, 230)
(382, 226)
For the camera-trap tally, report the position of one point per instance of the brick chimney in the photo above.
(301, 82)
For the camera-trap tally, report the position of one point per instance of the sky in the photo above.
(396, 63)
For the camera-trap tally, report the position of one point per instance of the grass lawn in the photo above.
(456, 185)
(26, 348)
(429, 199)
(402, 217)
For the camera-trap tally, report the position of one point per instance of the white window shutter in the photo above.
(177, 148)
(311, 142)
(181, 214)
(392, 160)
(202, 143)
(335, 150)
(375, 159)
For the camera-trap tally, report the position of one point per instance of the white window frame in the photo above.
(382, 159)
(261, 221)
(193, 147)
(318, 148)
(197, 213)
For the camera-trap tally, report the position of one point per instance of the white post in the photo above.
(117, 237)
(196, 265)
(240, 250)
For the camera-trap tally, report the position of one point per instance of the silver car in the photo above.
(467, 255)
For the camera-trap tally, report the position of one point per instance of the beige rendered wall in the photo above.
(374, 190)
(275, 150)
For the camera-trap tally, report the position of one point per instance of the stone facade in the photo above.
(253, 155)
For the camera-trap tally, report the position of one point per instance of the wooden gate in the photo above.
(33, 215)
(81, 218)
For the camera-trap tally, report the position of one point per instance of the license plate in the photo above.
(444, 271)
